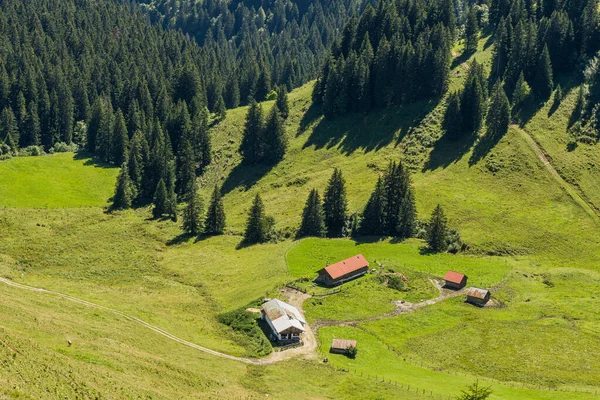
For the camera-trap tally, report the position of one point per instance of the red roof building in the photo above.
(343, 271)
(455, 280)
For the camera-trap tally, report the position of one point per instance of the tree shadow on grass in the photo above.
(446, 152)
(91, 160)
(358, 240)
(244, 176)
(485, 144)
(310, 116)
(185, 237)
(372, 131)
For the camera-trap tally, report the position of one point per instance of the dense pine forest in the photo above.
(253, 46)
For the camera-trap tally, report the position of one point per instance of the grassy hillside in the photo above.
(529, 241)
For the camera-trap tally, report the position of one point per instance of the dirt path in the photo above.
(401, 307)
(567, 187)
(295, 298)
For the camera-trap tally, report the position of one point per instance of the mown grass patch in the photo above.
(55, 181)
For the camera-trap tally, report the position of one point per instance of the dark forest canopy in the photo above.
(252, 46)
(395, 53)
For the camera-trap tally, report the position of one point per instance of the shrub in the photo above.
(272, 95)
(395, 282)
(351, 352)
(62, 147)
(5, 149)
(32, 151)
(246, 331)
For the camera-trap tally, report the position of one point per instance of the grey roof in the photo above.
(477, 293)
(283, 316)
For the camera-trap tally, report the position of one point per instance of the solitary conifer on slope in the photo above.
(335, 204)
(282, 102)
(437, 230)
(250, 148)
(312, 217)
(256, 229)
(193, 216)
(123, 193)
(471, 32)
(499, 113)
(215, 216)
(452, 123)
(543, 75)
(275, 141)
(373, 220)
(160, 202)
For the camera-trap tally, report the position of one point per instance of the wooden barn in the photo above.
(478, 297)
(455, 280)
(285, 321)
(339, 346)
(343, 271)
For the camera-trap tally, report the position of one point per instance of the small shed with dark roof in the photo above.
(343, 271)
(455, 280)
(478, 297)
(340, 346)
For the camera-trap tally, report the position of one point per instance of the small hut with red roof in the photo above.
(455, 280)
(343, 271)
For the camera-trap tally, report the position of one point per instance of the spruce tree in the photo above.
(215, 216)
(193, 216)
(313, 223)
(9, 130)
(498, 117)
(123, 193)
(282, 102)
(472, 101)
(558, 96)
(335, 204)
(170, 189)
(437, 230)
(251, 146)
(543, 81)
(186, 169)
(400, 209)
(452, 123)
(408, 210)
(521, 92)
(373, 218)
(256, 229)
(137, 163)
(274, 138)
(120, 139)
(471, 32)
(220, 108)
(32, 129)
(160, 201)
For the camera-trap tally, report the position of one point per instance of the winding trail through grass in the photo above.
(572, 192)
(401, 308)
(308, 348)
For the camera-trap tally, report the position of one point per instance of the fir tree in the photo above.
(9, 130)
(373, 218)
(215, 216)
(120, 139)
(313, 223)
(193, 223)
(452, 123)
(521, 92)
(498, 117)
(186, 170)
(335, 204)
(437, 230)
(123, 193)
(251, 146)
(32, 128)
(160, 201)
(282, 102)
(543, 81)
(220, 108)
(471, 32)
(275, 140)
(256, 228)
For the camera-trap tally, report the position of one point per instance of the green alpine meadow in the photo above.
(293, 199)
